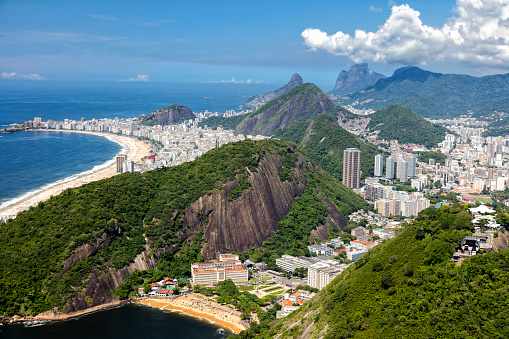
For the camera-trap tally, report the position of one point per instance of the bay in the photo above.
(129, 321)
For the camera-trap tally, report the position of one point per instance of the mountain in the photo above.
(259, 100)
(436, 95)
(407, 287)
(303, 103)
(171, 115)
(358, 78)
(70, 252)
(400, 123)
(324, 141)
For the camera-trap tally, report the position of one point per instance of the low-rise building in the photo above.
(218, 270)
(321, 250)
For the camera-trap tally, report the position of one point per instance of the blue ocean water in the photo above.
(32, 160)
(130, 321)
(35, 159)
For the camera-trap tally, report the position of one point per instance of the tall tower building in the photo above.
(412, 164)
(352, 168)
(379, 163)
(402, 170)
(120, 162)
(389, 167)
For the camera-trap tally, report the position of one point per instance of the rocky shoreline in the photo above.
(54, 315)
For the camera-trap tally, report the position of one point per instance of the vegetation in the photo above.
(438, 156)
(226, 123)
(174, 114)
(407, 287)
(400, 123)
(324, 141)
(123, 210)
(436, 95)
(303, 103)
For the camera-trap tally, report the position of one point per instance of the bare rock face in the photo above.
(100, 284)
(249, 220)
(87, 250)
(501, 242)
(335, 220)
(358, 78)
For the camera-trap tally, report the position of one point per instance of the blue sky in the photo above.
(266, 41)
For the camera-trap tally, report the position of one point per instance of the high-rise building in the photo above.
(412, 164)
(352, 168)
(402, 170)
(389, 168)
(120, 162)
(379, 163)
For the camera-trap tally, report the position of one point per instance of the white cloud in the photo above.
(375, 9)
(478, 34)
(139, 77)
(233, 81)
(14, 75)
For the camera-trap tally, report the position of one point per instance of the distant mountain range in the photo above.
(171, 115)
(435, 95)
(398, 122)
(358, 78)
(259, 100)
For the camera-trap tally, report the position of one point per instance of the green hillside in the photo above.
(226, 123)
(436, 95)
(324, 141)
(303, 103)
(49, 253)
(408, 288)
(400, 123)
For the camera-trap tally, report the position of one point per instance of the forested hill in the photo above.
(324, 141)
(303, 103)
(261, 99)
(408, 288)
(72, 250)
(436, 95)
(400, 123)
(171, 115)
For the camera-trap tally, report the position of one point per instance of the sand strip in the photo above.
(135, 149)
(199, 308)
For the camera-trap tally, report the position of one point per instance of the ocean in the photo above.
(33, 160)
(129, 321)
(30, 161)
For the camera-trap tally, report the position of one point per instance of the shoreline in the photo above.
(208, 310)
(135, 149)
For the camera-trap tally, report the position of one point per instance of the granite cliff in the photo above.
(69, 253)
(358, 78)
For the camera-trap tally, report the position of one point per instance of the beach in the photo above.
(135, 150)
(199, 306)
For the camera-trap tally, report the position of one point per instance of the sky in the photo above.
(247, 41)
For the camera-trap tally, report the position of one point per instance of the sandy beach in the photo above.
(135, 149)
(198, 306)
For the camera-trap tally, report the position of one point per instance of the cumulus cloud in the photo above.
(234, 81)
(14, 75)
(139, 77)
(478, 34)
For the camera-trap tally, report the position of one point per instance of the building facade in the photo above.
(352, 168)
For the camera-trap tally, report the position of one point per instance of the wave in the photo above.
(45, 187)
